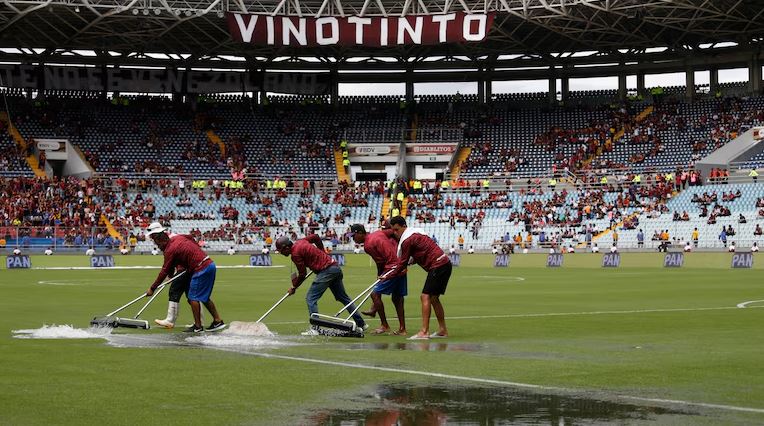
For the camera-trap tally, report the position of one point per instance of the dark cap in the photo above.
(357, 229)
(283, 242)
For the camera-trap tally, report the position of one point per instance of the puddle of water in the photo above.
(62, 332)
(426, 346)
(404, 404)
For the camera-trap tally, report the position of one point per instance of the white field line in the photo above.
(745, 304)
(478, 379)
(562, 314)
(90, 268)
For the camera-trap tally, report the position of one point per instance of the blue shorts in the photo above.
(397, 286)
(202, 283)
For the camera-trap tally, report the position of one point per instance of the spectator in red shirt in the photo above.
(309, 253)
(415, 244)
(382, 249)
(182, 251)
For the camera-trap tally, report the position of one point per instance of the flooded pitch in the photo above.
(408, 404)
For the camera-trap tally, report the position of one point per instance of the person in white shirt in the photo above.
(551, 250)
(595, 249)
(687, 247)
(571, 249)
(90, 251)
(452, 250)
(357, 250)
(755, 247)
(265, 250)
(231, 251)
(16, 251)
(48, 252)
(731, 248)
(154, 251)
(614, 248)
(471, 250)
(495, 250)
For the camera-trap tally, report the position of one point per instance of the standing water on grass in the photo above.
(408, 404)
(62, 332)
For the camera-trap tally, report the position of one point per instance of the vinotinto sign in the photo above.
(373, 31)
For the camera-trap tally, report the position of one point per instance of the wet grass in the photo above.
(640, 330)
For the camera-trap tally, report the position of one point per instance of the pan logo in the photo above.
(260, 260)
(339, 258)
(742, 260)
(455, 259)
(611, 260)
(554, 260)
(673, 260)
(501, 261)
(102, 261)
(18, 262)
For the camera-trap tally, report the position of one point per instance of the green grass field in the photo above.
(581, 344)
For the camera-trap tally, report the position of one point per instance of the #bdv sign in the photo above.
(742, 260)
(501, 261)
(18, 262)
(673, 260)
(611, 260)
(101, 261)
(260, 260)
(339, 258)
(554, 260)
(455, 259)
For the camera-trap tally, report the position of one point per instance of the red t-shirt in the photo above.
(306, 254)
(383, 250)
(182, 251)
(424, 251)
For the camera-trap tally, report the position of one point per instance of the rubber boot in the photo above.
(172, 315)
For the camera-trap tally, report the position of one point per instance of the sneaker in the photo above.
(215, 326)
(194, 329)
(164, 323)
(365, 327)
(311, 332)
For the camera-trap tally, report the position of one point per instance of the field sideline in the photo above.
(640, 335)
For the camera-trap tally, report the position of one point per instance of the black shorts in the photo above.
(180, 286)
(437, 280)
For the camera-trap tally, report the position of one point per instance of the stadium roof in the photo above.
(194, 33)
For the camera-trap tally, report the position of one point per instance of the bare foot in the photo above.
(371, 314)
(381, 330)
(399, 332)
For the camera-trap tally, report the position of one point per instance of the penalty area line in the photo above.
(494, 382)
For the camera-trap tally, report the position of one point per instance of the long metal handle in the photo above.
(156, 293)
(280, 300)
(364, 292)
(158, 290)
(126, 305)
(368, 295)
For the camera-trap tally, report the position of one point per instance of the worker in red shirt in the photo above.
(309, 253)
(182, 251)
(382, 249)
(417, 245)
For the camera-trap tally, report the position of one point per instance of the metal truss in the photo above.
(194, 33)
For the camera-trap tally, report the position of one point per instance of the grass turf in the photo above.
(578, 327)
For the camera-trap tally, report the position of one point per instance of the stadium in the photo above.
(582, 175)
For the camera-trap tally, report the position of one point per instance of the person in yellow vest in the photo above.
(486, 183)
(754, 175)
(444, 184)
(268, 184)
(528, 240)
(344, 143)
(552, 183)
(695, 237)
(345, 153)
(395, 212)
(615, 236)
(637, 179)
(346, 163)
(603, 180)
(399, 198)
(461, 242)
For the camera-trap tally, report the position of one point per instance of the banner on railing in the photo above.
(430, 152)
(373, 31)
(501, 261)
(144, 80)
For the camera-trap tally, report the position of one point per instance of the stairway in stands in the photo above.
(31, 159)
